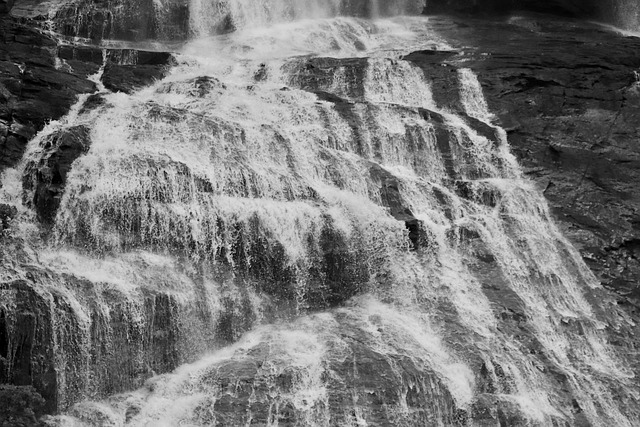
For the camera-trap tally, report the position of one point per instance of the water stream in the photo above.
(327, 245)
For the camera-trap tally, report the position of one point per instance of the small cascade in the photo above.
(223, 16)
(624, 14)
(297, 233)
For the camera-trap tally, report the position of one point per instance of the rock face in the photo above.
(33, 90)
(123, 20)
(569, 99)
(46, 179)
(128, 70)
(488, 7)
(622, 13)
(65, 366)
(160, 263)
(7, 213)
(40, 81)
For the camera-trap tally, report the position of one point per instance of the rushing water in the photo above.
(626, 14)
(332, 246)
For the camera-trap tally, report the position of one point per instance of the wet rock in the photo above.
(198, 87)
(576, 129)
(616, 12)
(93, 102)
(20, 406)
(391, 198)
(353, 382)
(5, 6)
(129, 70)
(317, 75)
(46, 177)
(341, 272)
(7, 213)
(82, 61)
(32, 90)
(27, 344)
(484, 7)
(124, 20)
(569, 99)
(40, 336)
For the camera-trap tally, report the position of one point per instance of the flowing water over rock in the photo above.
(290, 220)
(627, 15)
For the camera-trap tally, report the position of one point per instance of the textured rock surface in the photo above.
(124, 20)
(128, 70)
(46, 179)
(568, 95)
(33, 89)
(559, 7)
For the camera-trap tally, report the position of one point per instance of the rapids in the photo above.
(330, 242)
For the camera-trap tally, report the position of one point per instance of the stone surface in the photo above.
(67, 354)
(568, 95)
(32, 89)
(40, 80)
(581, 8)
(46, 177)
(123, 20)
(128, 70)
(566, 92)
(7, 213)
(409, 394)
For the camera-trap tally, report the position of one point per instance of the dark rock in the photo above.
(391, 198)
(20, 406)
(7, 213)
(316, 75)
(573, 125)
(5, 6)
(129, 70)
(82, 61)
(32, 90)
(617, 12)
(341, 272)
(40, 332)
(92, 102)
(139, 57)
(46, 177)
(567, 96)
(582, 8)
(124, 20)
(359, 383)
(26, 347)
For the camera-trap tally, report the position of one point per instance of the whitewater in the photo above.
(318, 223)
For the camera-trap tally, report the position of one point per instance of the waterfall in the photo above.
(288, 229)
(215, 16)
(627, 14)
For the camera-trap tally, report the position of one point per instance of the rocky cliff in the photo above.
(565, 91)
(623, 13)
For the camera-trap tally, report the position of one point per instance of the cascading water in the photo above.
(627, 14)
(291, 216)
